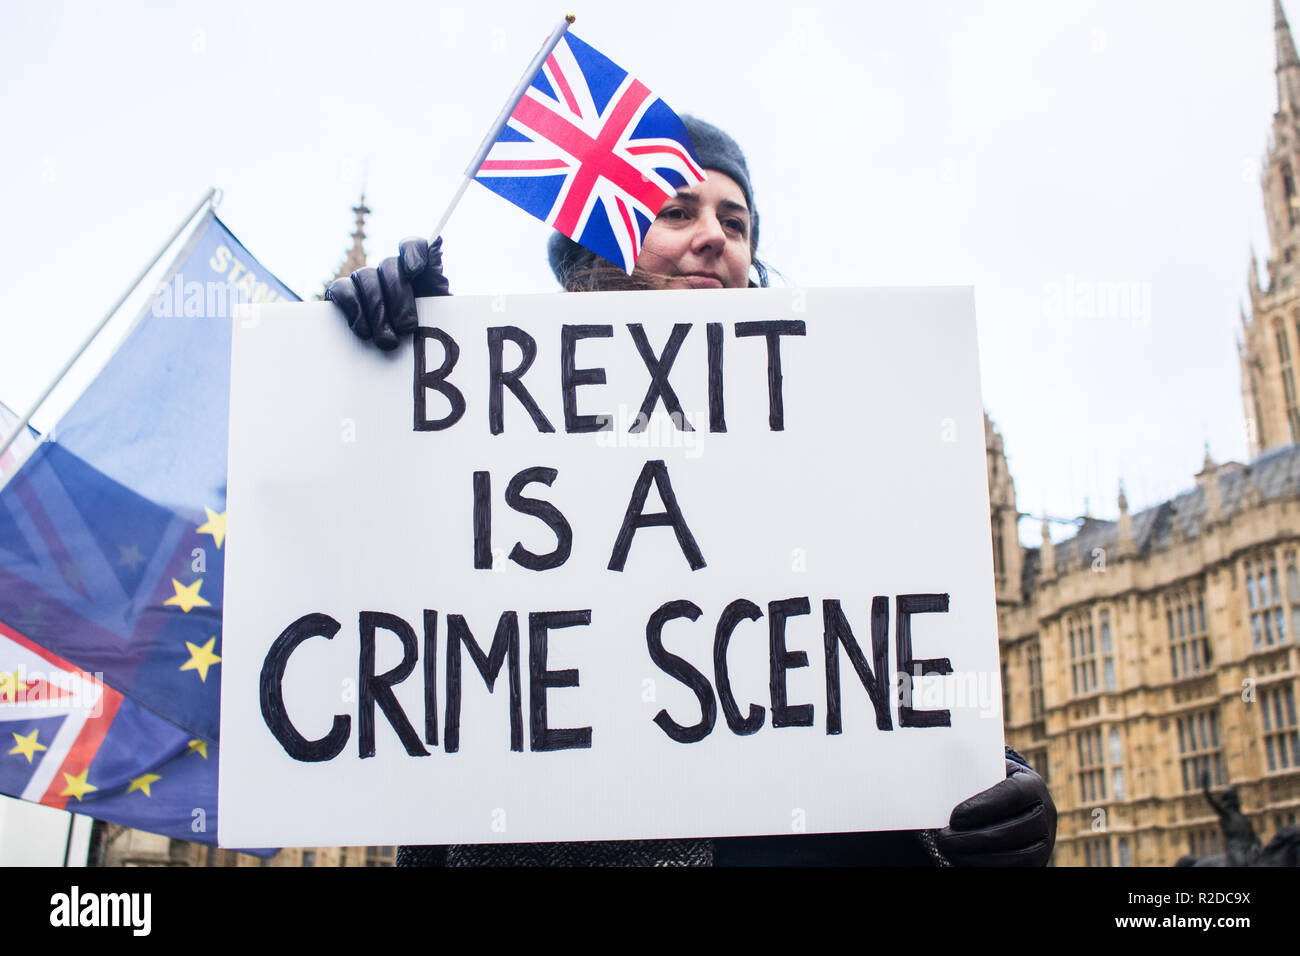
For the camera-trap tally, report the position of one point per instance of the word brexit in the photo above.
(571, 377)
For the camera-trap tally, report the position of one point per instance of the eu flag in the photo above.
(111, 565)
(111, 532)
(69, 741)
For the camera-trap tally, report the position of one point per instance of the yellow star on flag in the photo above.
(27, 746)
(215, 526)
(77, 786)
(187, 596)
(201, 658)
(142, 782)
(199, 747)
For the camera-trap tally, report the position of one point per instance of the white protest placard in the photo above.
(473, 594)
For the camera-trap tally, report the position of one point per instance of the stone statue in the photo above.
(1282, 850)
(1241, 844)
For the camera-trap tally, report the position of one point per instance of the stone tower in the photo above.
(1269, 346)
(1004, 519)
(356, 256)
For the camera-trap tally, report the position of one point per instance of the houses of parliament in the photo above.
(1145, 654)
(1141, 655)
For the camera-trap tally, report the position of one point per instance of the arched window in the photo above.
(1264, 594)
(1189, 640)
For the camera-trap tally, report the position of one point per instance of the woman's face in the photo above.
(700, 239)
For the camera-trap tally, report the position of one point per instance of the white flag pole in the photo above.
(22, 424)
(500, 122)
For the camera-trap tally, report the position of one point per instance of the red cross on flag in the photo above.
(592, 151)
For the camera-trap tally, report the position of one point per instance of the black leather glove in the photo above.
(1010, 824)
(379, 304)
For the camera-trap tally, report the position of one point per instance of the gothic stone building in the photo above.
(1147, 653)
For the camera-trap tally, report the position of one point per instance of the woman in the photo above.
(706, 237)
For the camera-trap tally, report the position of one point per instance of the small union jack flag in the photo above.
(591, 151)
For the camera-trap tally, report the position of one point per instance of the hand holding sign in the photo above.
(1010, 824)
(379, 304)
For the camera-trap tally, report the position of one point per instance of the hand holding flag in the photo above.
(581, 144)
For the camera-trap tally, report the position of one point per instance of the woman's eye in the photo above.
(736, 225)
(676, 212)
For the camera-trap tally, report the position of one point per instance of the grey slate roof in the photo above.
(1274, 474)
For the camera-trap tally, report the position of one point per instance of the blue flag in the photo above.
(112, 531)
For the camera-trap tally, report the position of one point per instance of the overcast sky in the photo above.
(1037, 151)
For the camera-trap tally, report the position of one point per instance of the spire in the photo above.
(356, 257)
(1208, 479)
(1048, 553)
(1125, 529)
(1288, 64)
(1252, 276)
(357, 254)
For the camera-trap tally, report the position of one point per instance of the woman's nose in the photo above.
(708, 234)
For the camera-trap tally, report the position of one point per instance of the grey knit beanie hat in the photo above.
(716, 150)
